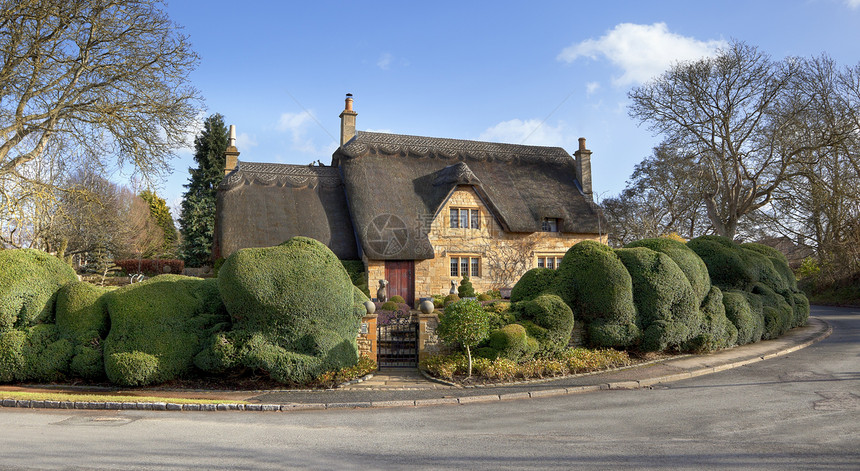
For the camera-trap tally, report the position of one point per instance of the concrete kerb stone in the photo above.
(634, 384)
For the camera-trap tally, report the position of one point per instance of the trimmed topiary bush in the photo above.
(716, 330)
(593, 282)
(484, 297)
(389, 306)
(158, 326)
(734, 267)
(450, 299)
(465, 323)
(667, 307)
(691, 264)
(397, 299)
(12, 355)
(221, 352)
(749, 322)
(548, 320)
(29, 281)
(778, 314)
(46, 356)
(511, 342)
(465, 290)
(297, 306)
(780, 263)
(532, 284)
(358, 275)
(82, 318)
(801, 309)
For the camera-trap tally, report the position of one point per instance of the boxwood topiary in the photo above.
(511, 342)
(593, 282)
(548, 320)
(465, 290)
(450, 299)
(46, 356)
(780, 263)
(532, 284)
(749, 322)
(716, 330)
(667, 307)
(29, 281)
(734, 267)
(158, 326)
(81, 310)
(397, 299)
(778, 314)
(297, 304)
(12, 355)
(357, 273)
(389, 306)
(691, 264)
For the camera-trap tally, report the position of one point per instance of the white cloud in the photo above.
(298, 124)
(530, 132)
(641, 51)
(245, 141)
(385, 131)
(852, 4)
(591, 87)
(384, 61)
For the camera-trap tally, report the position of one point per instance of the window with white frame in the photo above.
(465, 218)
(465, 265)
(549, 261)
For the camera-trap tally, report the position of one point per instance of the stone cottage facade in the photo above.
(418, 211)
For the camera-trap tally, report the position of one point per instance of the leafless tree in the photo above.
(743, 119)
(107, 78)
(508, 260)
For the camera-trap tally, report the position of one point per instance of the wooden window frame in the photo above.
(472, 219)
(471, 262)
(550, 225)
(543, 261)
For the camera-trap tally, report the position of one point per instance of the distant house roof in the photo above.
(262, 204)
(396, 184)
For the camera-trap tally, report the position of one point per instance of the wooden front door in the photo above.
(401, 279)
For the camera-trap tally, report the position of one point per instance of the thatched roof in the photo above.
(396, 184)
(261, 205)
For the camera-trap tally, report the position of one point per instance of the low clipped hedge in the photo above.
(667, 306)
(594, 283)
(532, 284)
(510, 342)
(158, 327)
(29, 281)
(548, 320)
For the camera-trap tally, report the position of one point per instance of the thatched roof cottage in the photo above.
(419, 211)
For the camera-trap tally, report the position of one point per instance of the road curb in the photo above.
(461, 400)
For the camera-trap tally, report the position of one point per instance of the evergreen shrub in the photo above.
(532, 284)
(749, 322)
(358, 275)
(511, 342)
(397, 299)
(547, 319)
(450, 299)
(691, 264)
(29, 281)
(296, 303)
(593, 282)
(160, 324)
(667, 306)
(465, 290)
(717, 331)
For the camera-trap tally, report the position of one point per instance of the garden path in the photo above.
(402, 379)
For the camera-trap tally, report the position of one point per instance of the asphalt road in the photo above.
(799, 411)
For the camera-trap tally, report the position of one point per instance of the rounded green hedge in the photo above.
(593, 282)
(511, 342)
(297, 305)
(691, 264)
(29, 281)
(82, 318)
(780, 263)
(548, 320)
(778, 314)
(166, 318)
(748, 321)
(716, 330)
(532, 284)
(667, 307)
(732, 266)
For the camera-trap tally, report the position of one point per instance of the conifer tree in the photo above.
(161, 214)
(197, 220)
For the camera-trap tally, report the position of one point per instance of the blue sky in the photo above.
(542, 73)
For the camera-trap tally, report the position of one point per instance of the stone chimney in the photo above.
(347, 121)
(583, 167)
(232, 153)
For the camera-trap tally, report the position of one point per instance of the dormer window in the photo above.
(550, 224)
(465, 218)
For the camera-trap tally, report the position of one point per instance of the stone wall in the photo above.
(367, 336)
(493, 246)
